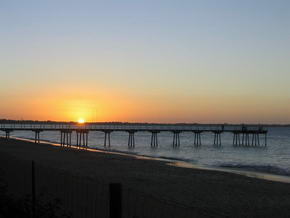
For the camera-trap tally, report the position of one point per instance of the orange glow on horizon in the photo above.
(81, 121)
(110, 106)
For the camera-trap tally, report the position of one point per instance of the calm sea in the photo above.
(274, 158)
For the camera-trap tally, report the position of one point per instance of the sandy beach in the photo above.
(211, 193)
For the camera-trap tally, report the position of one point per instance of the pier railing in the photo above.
(124, 127)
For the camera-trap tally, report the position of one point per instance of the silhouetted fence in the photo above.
(84, 197)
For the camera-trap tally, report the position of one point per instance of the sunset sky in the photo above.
(207, 61)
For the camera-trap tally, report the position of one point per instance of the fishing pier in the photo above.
(242, 135)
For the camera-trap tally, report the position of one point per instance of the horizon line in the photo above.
(147, 123)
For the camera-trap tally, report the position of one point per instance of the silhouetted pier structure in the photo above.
(176, 139)
(131, 141)
(82, 137)
(248, 138)
(197, 137)
(37, 135)
(154, 138)
(65, 138)
(242, 135)
(217, 137)
(107, 140)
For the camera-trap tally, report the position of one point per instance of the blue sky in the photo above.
(151, 50)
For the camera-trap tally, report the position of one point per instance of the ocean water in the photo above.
(273, 159)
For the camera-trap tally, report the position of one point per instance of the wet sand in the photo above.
(212, 193)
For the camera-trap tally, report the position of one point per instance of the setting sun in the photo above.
(81, 121)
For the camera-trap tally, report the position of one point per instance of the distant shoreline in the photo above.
(9, 121)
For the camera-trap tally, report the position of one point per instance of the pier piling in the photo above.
(154, 139)
(131, 140)
(197, 137)
(7, 134)
(217, 137)
(37, 136)
(176, 139)
(82, 138)
(107, 139)
(237, 139)
(65, 138)
(249, 137)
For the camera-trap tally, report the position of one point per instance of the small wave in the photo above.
(176, 159)
(123, 152)
(258, 168)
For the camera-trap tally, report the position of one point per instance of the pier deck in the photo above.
(242, 135)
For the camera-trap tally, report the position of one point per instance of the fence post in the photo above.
(33, 194)
(115, 200)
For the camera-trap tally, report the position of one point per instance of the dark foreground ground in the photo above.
(207, 193)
